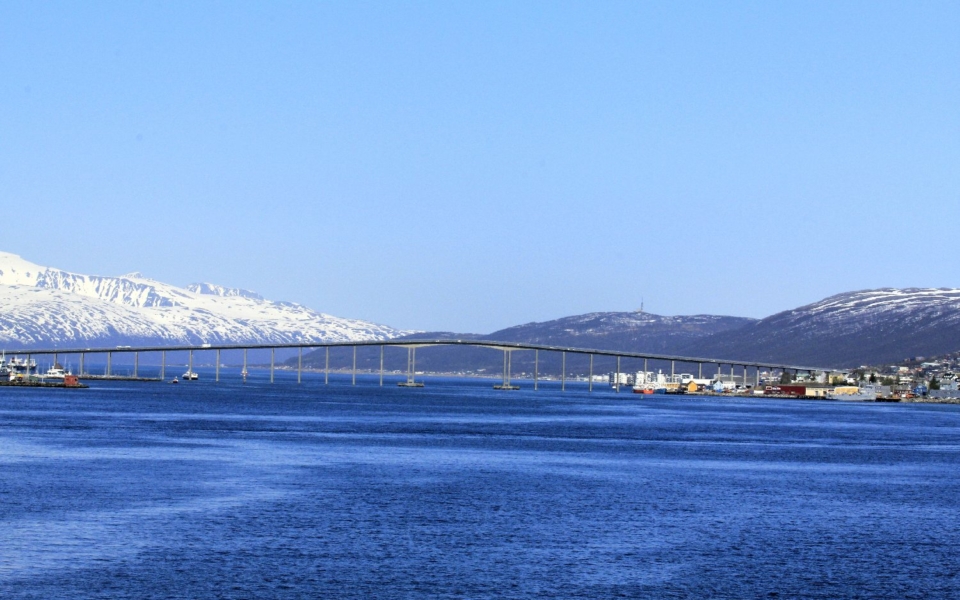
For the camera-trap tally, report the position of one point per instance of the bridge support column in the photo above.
(273, 353)
(136, 364)
(719, 374)
(536, 368)
(758, 377)
(699, 370)
(299, 365)
(190, 364)
(381, 366)
(590, 381)
(507, 366)
(217, 376)
(244, 372)
(673, 370)
(109, 365)
(326, 368)
(354, 382)
(645, 371)
(81, 364)
(411, 368)
(733, 377)
(618, 374)
(563, 371)
(163, 364)
(744, 376)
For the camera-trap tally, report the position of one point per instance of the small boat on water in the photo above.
(190, 376)
(55, 372)
(175, 380)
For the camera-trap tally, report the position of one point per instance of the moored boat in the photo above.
(55, 372)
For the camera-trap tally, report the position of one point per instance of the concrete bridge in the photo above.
(508, 348)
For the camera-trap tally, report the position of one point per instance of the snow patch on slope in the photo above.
(47, 306)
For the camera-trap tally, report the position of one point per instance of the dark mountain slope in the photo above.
(632, 331)
(847, 330)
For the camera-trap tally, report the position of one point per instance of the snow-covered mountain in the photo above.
(47, 307)
(847, 330)
(850, 329)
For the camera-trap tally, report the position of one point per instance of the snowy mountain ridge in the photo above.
(52, 307)
(852, 328)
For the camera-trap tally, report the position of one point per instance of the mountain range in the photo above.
(850, 329)
(52, 308)
(48, 307)
(843, 331)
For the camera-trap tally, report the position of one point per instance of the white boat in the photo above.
(190, 376)
(17, 369)
(55, 372)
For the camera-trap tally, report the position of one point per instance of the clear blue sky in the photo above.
(473, 165)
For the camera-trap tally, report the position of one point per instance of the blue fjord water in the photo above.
(203, 490)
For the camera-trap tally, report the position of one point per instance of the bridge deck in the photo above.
(427, 342)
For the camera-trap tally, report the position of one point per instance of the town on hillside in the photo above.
(917, 379)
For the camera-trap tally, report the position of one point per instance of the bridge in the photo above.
(411, 345)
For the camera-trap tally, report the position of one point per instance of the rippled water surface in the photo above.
(207, 490)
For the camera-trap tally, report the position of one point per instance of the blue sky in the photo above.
(473, 165)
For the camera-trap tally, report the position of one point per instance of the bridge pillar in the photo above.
(81, 365)
(719, 372)
(536, 368)
(733, 377)
(217, 376)
(299, 364)
(411, 368)
(244, 372)
(507, 367)
(136, 364)
(673, 370)
(699, 370)
(563, 371)
(618, 374)
(273, 353)
(590, 384)
(190, 365)
(744, 376)
(326, 368)
(163, 364)
(645, 371)
(758, 376)
(109, 365)
(354, 382)
(381, 366)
